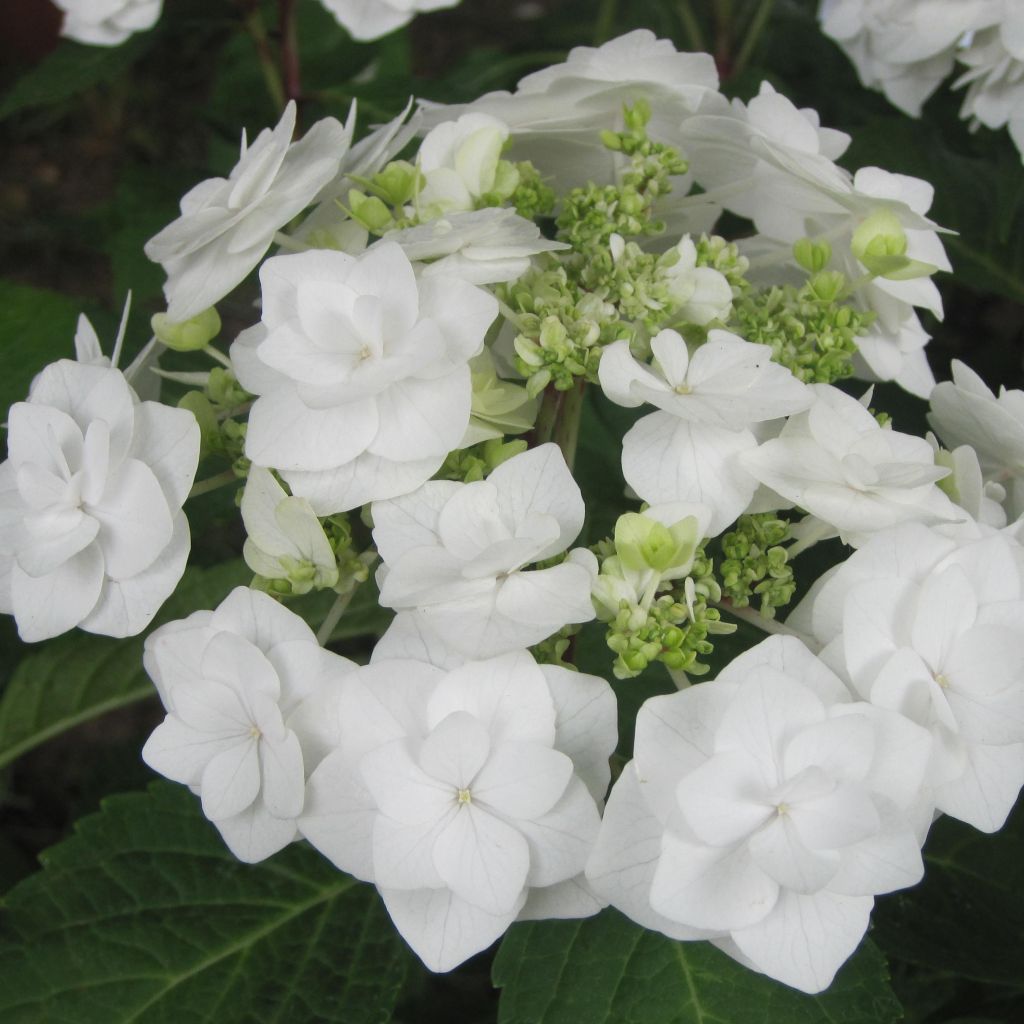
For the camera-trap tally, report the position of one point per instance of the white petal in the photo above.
(283, 780)
(402, 790)
(547, 598)
(710, 888)
(338, 816)
(522, 780)
(806, 939)
(231, 780)
(419, 419)
(180, 753)
(573, 898)
(260, 619)
(985, 793)
(483, 860)
(403, 855)
(167, 440)
(455, 751)
(778, 850)
(255, 834)
(59, 601)
(443, 929)
(410, 521)
(725, 799)
(508, 694)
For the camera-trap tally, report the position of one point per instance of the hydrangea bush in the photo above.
(451, 305)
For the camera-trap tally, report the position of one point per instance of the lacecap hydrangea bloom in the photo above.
(764, 811)
(470, 797)
(90, 499)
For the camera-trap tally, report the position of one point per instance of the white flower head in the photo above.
(764, 811)
(228, 224)
(245, 688)
(285, 538)
(930, 623)
(703, 293)
(469, 797)
(836, 462)
(455, 554)
(366, 20)
(107, 22)
(689, 450)
(90, 499)
(361, 371)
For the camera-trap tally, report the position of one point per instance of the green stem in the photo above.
(558, 419)
(323, 634)
(217, 356)
(771, 626)
(213, 483)
(753, 34)
(691, 26)
(252, 20)
(605, 21)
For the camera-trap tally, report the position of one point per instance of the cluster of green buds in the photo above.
(755, 564)
(812, 330)
(467, 465)
(531, 198)
(592, 214)
(716, 253)
(379, 203)
(552, 650)
(352, 560)
(653, 591)
(562, 328)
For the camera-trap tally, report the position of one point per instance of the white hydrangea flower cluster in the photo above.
(464, 770)
(907, 48)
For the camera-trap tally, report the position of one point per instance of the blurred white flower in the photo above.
(366, 20)
(107, 22)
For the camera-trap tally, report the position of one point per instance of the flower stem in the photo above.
(323, 634)
(605, 21)
(691, 26)
(760, 18)
(558, 419)
(289, 51)
(771, 626)
(212, 483)
(217, 356)
(252, 21)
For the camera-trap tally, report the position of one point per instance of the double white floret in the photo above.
(362, 373)
(764, 811)
(90, 503)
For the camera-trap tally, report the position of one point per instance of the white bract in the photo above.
(469, 797)
(689, 450)
(480, 246)
(454, 555)
(366, 20)
(361, 371)
(555, 116)
(930, 623)
(764, 811)
(90, 504)
(965, 411)
(243, 686)
(836, 462)
(107, 22)
(228, 224)
(285, 539)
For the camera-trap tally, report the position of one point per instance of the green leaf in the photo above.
(144, 916)
(607, 970)
(78, 677)
(70, 69)
(967, 916)
(36, 327)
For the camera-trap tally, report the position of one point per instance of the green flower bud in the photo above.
(398, 182)
(812, 256)
(369, 211)
(880, 243)
(187, 335)
(643, 543)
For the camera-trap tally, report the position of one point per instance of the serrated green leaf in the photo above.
(71, 68)
(78, 677)
(607, 970)
(143, 916)
(967, 916)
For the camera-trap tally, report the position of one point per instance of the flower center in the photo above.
(464, 796)
(683, 389)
